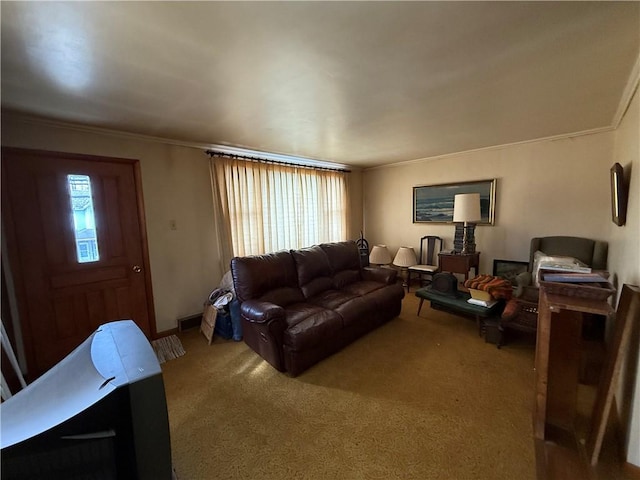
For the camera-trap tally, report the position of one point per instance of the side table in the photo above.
(459, 263)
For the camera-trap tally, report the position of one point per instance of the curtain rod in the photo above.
(215, 153)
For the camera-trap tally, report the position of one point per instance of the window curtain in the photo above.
(266, 207)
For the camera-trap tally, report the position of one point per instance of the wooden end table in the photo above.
(459, 262)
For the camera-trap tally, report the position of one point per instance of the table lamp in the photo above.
(379, 255)
(466, 209)
(405, 258)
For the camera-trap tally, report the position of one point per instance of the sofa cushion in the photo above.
(313, 269)
(331, 299)
(310, 325)
(351, 308)
(344, 260)
(345, 277)
(385, 296)
(342, 255)
(362, 287)
(270, 277)
(356, 311)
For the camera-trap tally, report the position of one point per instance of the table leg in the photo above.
(542, 367)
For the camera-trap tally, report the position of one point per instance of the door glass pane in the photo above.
(84, 224)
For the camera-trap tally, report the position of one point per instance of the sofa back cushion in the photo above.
(344, 260)
(314, 271)
(271, 278)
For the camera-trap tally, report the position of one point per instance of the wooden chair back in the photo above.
(430, 247)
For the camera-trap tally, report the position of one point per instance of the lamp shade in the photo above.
(406, 257)
(466, 207)
(380, 255)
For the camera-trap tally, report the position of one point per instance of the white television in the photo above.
(100, 413)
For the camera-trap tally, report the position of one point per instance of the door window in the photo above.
(84, 223)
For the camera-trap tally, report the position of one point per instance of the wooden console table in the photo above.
(557, 361)
(560, 453)
(459, 263)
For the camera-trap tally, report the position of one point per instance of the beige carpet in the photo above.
(419, 398)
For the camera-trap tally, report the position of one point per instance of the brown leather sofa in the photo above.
(300, 306)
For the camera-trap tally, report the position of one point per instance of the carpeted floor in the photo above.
(419, 398)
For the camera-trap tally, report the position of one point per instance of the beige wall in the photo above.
(185, 264)
(551, 187)
(556, 187)
(176, 186)
(624, 260)
(544, 188)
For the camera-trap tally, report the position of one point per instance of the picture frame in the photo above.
(509, 269)
(434, 203)
(618, 195)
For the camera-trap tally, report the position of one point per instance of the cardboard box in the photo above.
(208, 324)
(480, 294)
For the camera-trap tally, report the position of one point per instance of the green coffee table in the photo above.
(458, 305)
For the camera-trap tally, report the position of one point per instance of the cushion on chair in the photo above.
(424, 268)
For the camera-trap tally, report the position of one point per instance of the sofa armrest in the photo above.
(257, 311)
(383, 275)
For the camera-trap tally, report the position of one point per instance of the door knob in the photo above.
(136, 268)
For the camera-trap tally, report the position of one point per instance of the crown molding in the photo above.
(308, 161)
(627, 94)
(552, 138)
(278, 157)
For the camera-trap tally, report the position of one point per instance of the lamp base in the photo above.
(468, 249)
(469, 241)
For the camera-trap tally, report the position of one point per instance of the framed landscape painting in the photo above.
(434, 203)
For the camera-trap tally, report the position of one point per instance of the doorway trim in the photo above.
(11, 243)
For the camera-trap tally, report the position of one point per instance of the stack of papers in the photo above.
(574, 277)
(482, 303)
(564, 267)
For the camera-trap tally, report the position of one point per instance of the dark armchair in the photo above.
(521, 312)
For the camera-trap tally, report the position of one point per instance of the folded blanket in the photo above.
(497, 287)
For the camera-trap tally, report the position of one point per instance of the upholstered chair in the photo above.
(521, 312)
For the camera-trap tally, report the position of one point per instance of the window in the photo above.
(84, 224)
(271, 207)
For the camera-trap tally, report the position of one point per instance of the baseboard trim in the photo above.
(184, 323)
(191, 321)
(166, 333)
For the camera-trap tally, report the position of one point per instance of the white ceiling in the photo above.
(358, 83)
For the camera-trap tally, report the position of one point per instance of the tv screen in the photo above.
(100, 413)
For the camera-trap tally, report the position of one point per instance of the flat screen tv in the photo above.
(100, 413)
